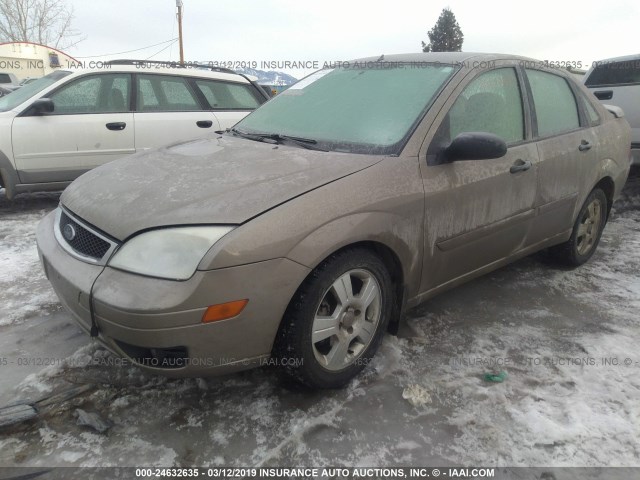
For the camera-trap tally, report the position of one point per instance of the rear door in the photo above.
(168, 110)
(565, 144)
(91, 124)
(479, 211)
(230, 101)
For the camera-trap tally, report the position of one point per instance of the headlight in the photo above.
(172, 253)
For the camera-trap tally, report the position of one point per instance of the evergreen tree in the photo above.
(445, 36)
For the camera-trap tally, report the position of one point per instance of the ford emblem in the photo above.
(68, 232)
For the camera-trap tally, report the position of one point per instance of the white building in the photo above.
(26, 59)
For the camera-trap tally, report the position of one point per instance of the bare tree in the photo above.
(47, 22)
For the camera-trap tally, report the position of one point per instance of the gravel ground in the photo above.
(567, 340)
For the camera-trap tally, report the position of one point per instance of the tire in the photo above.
(586, 233)
(348, 325)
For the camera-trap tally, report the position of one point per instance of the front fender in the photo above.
(395, 232)
(382, 204)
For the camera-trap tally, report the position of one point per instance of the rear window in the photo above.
(555, 106)
(615, 73)
(594, 117)
(224, 95)
(165, 93)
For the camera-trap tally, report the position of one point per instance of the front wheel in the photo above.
(336, 320)
(586, 231)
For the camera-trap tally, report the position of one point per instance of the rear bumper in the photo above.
(143, 318)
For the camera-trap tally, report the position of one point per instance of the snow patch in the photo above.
(416, 395)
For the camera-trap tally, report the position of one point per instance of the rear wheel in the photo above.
(336, 321)
(587, 231)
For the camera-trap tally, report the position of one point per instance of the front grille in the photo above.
(81, 240)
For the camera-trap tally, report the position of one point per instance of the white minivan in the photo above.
(616, 81)
(56, 128)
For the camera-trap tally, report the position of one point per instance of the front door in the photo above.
(479, 211)
(91, 124)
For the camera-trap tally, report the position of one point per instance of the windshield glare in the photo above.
(24, 93)
(357, 110)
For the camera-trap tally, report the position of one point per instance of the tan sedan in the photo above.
(302, 235)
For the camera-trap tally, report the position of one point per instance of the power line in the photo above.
(129, 51)
(163, 49)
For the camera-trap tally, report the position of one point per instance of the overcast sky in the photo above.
(332, 30)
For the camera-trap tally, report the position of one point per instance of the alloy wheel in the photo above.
(589, 228)
(346, 320)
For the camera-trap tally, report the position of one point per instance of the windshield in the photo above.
(27, 91)
(357, 110)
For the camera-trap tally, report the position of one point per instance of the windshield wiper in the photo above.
(308, 143)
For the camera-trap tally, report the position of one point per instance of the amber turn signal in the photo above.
(222, 311)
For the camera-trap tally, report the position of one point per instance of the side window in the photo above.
(103, 93)
(225, 95)
(555, 105)
(165, 93)
(490, 103)
(594, 118)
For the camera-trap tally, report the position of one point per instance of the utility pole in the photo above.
(179, 5)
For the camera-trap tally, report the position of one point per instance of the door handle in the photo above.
(116, 125)
(520, 166)
(604, 94)
(204, 123)
(584, 146)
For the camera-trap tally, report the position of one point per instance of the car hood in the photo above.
(222, 180)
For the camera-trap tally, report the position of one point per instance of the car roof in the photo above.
(635, 56)
(162, 70)
(442, 57)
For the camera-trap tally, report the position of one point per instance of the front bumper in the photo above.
(140, 317)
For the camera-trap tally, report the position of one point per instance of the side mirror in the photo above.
(42, 105)
(475, 146)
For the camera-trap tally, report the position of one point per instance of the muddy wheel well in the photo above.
(608, 187)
